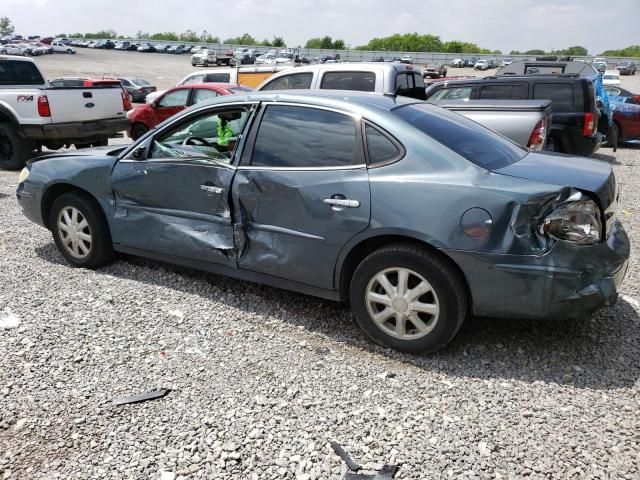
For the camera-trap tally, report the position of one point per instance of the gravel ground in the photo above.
(262, 379)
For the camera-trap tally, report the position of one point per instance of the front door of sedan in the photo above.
(301, 193)
(175, 199)
(170, 104)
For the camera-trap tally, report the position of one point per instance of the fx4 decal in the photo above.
(25, 98)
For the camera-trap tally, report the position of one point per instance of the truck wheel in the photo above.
(137, 130)
(409, 299)
(14, 149)
(80, 230)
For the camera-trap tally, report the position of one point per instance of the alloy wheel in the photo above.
(402, 303)
(74, 232)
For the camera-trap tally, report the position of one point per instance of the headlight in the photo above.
(24, 174)
(576, 220)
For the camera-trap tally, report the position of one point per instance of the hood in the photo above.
(582, 173)
(108, 153)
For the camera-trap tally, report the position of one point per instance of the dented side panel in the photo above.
(176, 208)
(286, 229)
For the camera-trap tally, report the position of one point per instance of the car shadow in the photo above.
(599, 351)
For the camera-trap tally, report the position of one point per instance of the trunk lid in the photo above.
(585, 174)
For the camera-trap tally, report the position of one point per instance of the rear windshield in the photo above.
(465, 137)
(140, 81)
(19, 73)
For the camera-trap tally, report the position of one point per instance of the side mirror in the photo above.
(138, 153)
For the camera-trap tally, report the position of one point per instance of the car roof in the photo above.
(352, 101)
(347, 66)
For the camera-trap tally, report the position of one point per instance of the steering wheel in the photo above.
(188, 140)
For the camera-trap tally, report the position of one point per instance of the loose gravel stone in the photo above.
(261, 379)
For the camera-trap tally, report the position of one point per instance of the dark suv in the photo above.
(574, 119)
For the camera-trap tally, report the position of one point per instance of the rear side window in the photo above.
(305, 137)
(380, 147)
(175, 99)
(502, 92)
(19, 73)
(217, 77)
(296, 81)
(410, 84)
(465, 137)
(560, 94)
(201, 94)
(359, 81)
(457, 93)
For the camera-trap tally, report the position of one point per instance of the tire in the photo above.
(14, 149)
(92, 254)
(69, 51)
(447, 294)
(3, 52)
(138, 130)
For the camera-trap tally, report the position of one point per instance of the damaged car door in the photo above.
(172, 193)
(301, 192)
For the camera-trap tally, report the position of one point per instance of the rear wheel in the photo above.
(138, 130)
(14, 149)
(80, 230)
(409, 299)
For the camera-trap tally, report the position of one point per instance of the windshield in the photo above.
(611, 77)
(467, 138)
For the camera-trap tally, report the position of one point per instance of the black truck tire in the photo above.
(15, 150)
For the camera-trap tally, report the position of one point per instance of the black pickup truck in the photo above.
(574, 120)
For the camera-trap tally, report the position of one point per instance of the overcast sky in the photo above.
(496, 24)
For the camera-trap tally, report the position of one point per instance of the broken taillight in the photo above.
(43, 106)
(538, 136)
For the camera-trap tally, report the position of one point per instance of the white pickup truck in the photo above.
(34, 114)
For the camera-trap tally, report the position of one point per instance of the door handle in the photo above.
(211, 189)
(342, 202)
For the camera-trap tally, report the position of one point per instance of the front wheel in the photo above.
(80, 230)
(409, 299)
(15, 150)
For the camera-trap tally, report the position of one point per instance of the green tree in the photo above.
(278, 42)
(189, 36)
(535, 52)
(631, 51)
(339, 45)
(407, 42)
(6, 27)
(245, 39)
(325, 43)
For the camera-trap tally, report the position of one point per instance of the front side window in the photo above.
(297, 81)
(467, 138)
(295, 137)
(193, 79)
(358, 81)
(175, 99)
(454, 93)
(209, 136)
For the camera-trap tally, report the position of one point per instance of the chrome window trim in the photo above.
(355, 116)
(249, 104)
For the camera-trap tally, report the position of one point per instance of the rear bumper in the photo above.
(568, 281)
(76, 130)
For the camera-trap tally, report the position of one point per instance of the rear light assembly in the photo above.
(589, 127)
(43, 106)
(538, 136)
(576, 219)
(126, 101)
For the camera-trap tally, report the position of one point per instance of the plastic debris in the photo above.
(355, 472)
(142, 397)
(8, 320)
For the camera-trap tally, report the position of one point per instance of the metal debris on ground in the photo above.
(355, 472)
(142, 397)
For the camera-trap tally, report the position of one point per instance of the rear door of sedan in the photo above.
(301, 192)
